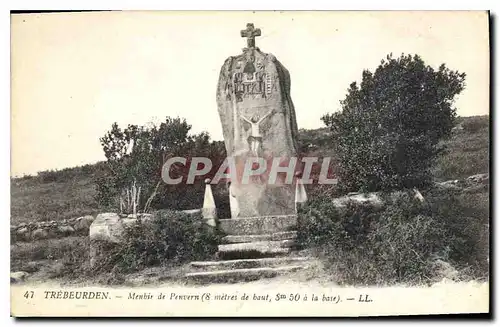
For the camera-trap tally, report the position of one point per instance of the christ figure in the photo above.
(255, 138)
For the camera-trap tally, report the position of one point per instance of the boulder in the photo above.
(65, 230)
(83, 223)
(107, 227)
(146, 217)
(39, 234)
(52, 232)
(18, 276)
(105, 232)
(479, 178)
(23, 234)
(451, 184)
(360, 198)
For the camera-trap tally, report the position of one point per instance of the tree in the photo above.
(135, 157)
(388, 130)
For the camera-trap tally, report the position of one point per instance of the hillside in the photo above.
(68, 193)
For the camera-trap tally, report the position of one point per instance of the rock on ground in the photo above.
(18, 276)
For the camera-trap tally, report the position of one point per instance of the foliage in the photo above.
(171, 238)
(135, 156)
(402, 242)
(387, 133)
(312, 140)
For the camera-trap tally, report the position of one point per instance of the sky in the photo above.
(74, 74)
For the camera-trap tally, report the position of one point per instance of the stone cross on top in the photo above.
(250, 33)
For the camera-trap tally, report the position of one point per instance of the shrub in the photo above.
(387, 133)
(402, 242)
(465, 220)
(323, 223)
(171, 238)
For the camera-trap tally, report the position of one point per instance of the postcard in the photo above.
(250, 163)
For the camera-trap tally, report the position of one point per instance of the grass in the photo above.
(467, 151)
(52, 258)
(32, 200)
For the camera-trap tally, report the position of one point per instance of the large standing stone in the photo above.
(258, 120)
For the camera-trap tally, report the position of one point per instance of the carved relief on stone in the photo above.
(258, 120)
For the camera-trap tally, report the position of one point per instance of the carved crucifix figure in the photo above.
(250, 33)
(255, 138)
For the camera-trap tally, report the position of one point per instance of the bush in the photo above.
(403, 242)
(387, 133)
(171, 238)
(465, 220)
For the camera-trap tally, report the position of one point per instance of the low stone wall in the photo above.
(32, 231)
(27, 232)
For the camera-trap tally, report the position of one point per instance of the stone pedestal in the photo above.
(253, 248)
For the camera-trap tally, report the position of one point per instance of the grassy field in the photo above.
(38, 199)
(68, 193)
(467, 152)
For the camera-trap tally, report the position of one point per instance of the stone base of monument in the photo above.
(253, 248)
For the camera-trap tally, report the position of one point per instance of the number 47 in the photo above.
(29, 294)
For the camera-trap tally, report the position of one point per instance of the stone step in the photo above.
(262, 237)
(238, 275)
(248, 263)
(258, 225)
(254, 250)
